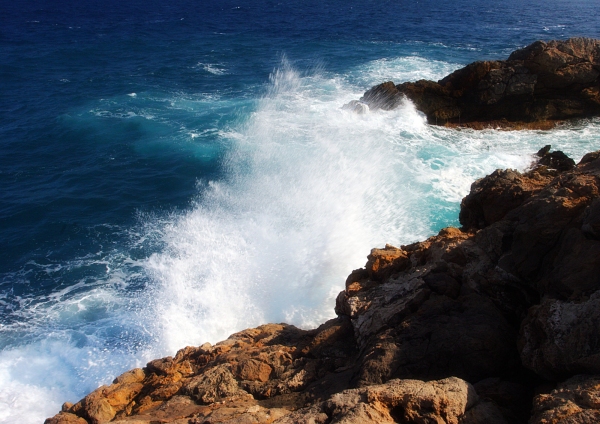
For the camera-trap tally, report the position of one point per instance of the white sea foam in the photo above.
(59, 346)
(213, 68)
(309, 189)
(36, 378)
(402, 69)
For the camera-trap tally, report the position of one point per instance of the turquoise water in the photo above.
(171, 174)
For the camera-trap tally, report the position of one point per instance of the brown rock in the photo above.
(546, 229)
(65, 418)
(135, 375)
(467, 337)
(382, 263)
(557, 160)
(561, 338)
(543, 82)
(98, 409)
(66, 406)
(176, 409)
(575, 401)
(484, 412)
(253, 370)
(213, 385)
(507, 301)
(493, 196)
(235, 413)
(443, 401)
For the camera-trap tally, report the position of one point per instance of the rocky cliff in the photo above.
(494, 322)
(536, 85)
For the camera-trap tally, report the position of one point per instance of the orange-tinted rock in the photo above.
(577, 400)
(65, 418)
(384, 262)
(253, 370)
(98, 409)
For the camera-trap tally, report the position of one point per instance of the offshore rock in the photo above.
(464, 327)
(545, 81)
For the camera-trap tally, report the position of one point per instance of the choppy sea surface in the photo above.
(173, 172)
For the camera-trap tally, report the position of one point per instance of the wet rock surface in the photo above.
(545, 81)
(493, 322)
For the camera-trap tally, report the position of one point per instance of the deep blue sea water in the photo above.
(172, 172)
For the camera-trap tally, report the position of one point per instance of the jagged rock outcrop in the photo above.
(261, 372)
(477, 324)
(545, 81)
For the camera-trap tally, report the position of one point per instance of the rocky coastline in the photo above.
(535, 88)
(496, 321)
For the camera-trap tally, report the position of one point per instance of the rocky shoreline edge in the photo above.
(496, 322)
(537, 87)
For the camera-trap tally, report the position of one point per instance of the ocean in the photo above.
(173, 172)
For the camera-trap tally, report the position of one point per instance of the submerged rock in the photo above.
(464, 327)
(545, 81)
